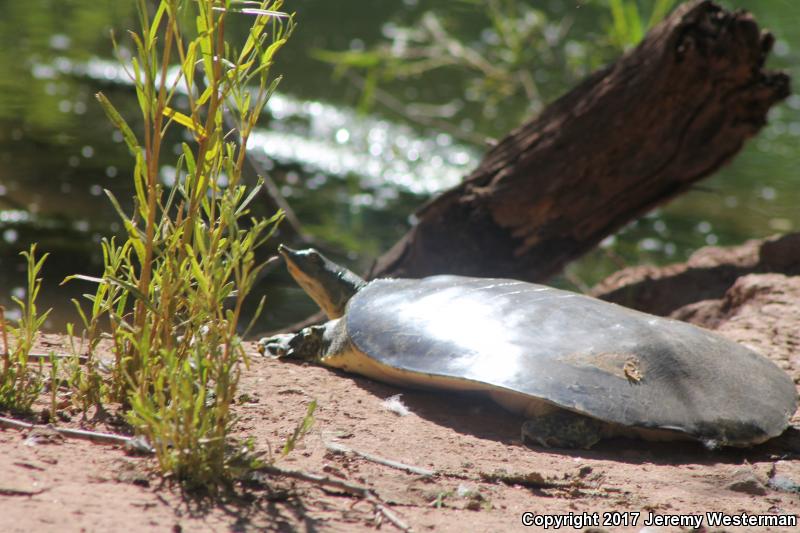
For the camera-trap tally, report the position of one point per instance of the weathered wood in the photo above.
(630, 137)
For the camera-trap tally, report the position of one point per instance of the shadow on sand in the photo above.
(476, 415)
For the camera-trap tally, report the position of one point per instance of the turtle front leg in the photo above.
(563, 429)
(309, 344)
(275, 346)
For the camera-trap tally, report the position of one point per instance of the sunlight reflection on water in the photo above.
(321, 137)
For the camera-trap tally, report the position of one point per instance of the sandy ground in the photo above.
(483, 478)
(50, 484)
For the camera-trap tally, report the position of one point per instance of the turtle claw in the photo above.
(563, 429)
(276, 346)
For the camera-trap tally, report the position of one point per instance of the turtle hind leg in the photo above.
(563, 429)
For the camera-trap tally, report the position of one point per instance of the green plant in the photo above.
(81, 373)
(171, 294)
(300, 431)
(628, 24)
(522, 58)
(19, 384)
(53, 383)
(518, 41)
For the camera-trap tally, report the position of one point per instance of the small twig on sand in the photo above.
(530, 480)
(103, 438)
(19, 492)
(341, 448)
(345, 486)
(46, 357)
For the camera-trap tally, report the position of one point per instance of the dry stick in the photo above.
(274, 197)
(325, 481)
(505, 478)
(350, 488)
(359, 490)
(20, 492)
(46, 357)
(341, 448)
(270, 189)
(94, 436)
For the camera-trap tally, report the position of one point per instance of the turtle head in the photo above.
(328, 284)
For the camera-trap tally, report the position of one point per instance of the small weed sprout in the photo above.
(300, 431)
(20, 385)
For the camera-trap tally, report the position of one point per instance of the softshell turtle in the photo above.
(579, 368)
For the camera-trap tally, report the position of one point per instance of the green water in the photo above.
(352, 178)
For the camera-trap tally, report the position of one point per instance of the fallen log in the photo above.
(628, 138)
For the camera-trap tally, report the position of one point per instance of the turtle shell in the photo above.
(576, 352)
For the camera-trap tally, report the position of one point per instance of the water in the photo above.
(353, 178)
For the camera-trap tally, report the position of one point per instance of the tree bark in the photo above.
(628, 138)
